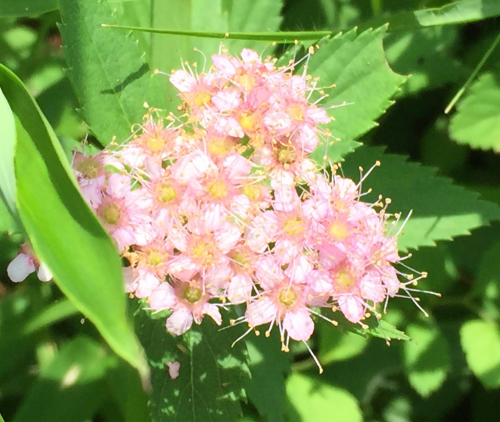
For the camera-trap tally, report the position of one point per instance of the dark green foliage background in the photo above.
(54, 364)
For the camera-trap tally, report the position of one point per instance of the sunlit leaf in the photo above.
(481, 344)
(477, 121)
(426, 359)
(312, 400)
(426, 54)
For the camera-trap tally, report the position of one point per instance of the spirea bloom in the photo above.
(223, 206)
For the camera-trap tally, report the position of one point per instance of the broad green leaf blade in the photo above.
(315, 401)
(268, 366)
(69, 388)
(20, 8)
(108, 72)
(362, 84)
(427, 359)
(7, 146)
(64, 232)
(458, 12)
(477, 121)
(211, 372)
(441, 210)
(481, 343)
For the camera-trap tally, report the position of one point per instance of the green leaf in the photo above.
(427, 359)
(382, 330)
(56, 312)
(7, 146)
(211, 373)
(64, 232)
(128, 392)
(110, 77)
(20, 8)
(362, 83)
(426, 54)
(441, 210)
(70, 387)
(477, 121)
(458, 12)
(268, 366)
(337, 345)
(486, 286)
(481, 343)
(314, 401)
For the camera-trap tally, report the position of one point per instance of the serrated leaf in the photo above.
(477, 121)
(481, 343)
(427, 359)
(441, 210)
(314, 401)
(268, 366)
(108, 72)
(55, 215)
(69, 387)
(363, 85)
(383, 330)
(19, 8)
(211, 373)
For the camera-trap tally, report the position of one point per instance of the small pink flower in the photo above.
(26, 263)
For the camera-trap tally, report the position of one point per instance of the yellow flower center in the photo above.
(218, 189)
(288, 297)
(201, 97)
(192, 294)
(220, 146)
(252, 191)
(166, 192)
(338, 230)
(88, 167)
(155, 258)
(203, 251)
(111, 214)
(294, 226)
(248, 122)
(345, 279)
(296, 112)
(286, 154)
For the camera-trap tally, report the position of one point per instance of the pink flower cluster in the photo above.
(223, 206)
